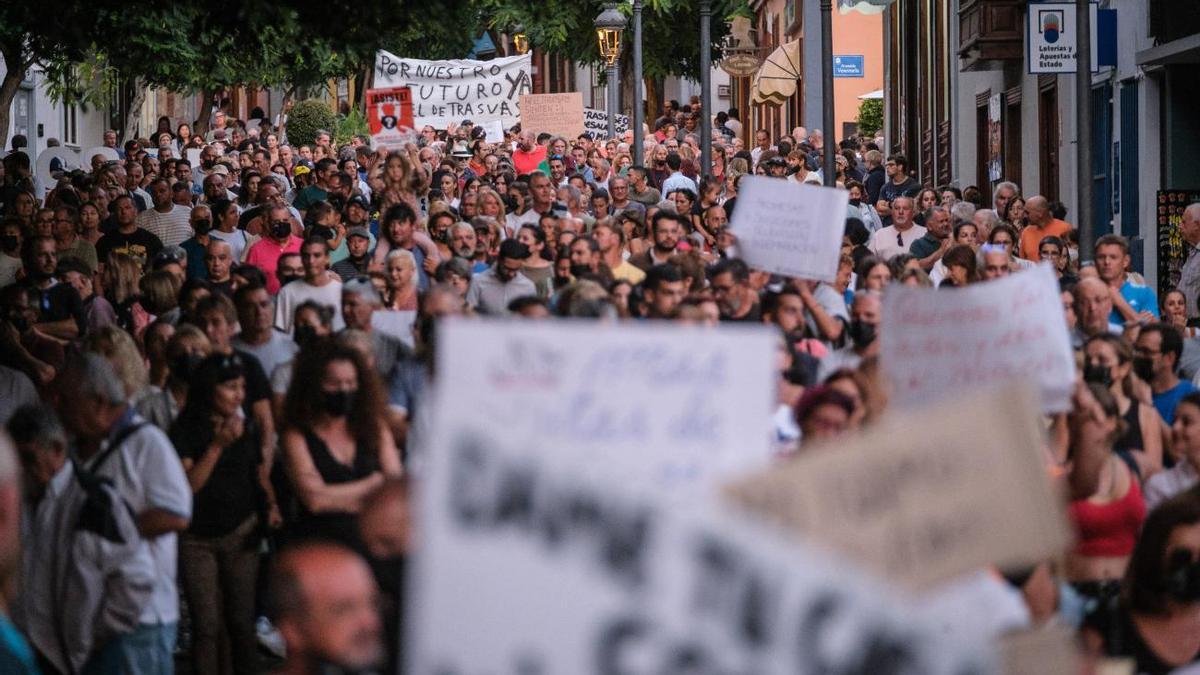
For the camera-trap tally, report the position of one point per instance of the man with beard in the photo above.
(324, 601)
(730, 284)
(528, 155)
(492, 290)
(464, 244)
(666, 228)
(60, 311)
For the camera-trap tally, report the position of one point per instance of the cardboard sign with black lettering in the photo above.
(926, 494)
(554, 114)
(553, 539)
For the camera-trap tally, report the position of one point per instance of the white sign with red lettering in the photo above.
(938, 343)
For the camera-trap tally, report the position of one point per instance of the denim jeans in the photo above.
(148, 650)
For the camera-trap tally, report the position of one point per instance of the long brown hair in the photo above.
(303, 402)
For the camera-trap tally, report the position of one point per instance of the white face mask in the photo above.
(1073, 253)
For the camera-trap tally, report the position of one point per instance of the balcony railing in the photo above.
(991, 33)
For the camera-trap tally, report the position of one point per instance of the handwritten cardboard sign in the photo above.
(554, 114)
(543, 563)
(446, 92)
(924, 495)
(390, 117)
(789, 228)
(936, 344)
(595, 122)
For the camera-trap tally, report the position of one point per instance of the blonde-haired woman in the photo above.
(121, 277)
(122, 352)
(400, 311)
(492, 206)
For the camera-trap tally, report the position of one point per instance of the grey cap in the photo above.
(358, 231)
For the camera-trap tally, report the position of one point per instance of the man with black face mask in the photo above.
(196, 245)
(866, 315)
(265, 253)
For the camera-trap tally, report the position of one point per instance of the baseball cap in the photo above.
(220, 170)
(359, 231)
(359, 201)
(300, 170)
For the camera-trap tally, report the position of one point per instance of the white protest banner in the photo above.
(595, 122)
(554, 114)
(936, 344)
(788, 228)
(447, 92)
(533, 561)
(927, 494)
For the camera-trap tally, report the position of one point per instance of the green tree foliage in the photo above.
(307, 118)
(671, 30)
(870, 116)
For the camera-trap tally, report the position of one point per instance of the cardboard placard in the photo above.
(925, 495)
(552, 540)
(938, 343)
(554, 114)
(447, 92)
(390, 116)
(789, 228)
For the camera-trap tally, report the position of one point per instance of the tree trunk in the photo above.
(362, 81)
(134, 113)
(205, 115)
(284, 107)
(653, 101)
(15, 69)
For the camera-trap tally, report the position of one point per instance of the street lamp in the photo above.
(609, 25)
(639, 105)
(520, 39)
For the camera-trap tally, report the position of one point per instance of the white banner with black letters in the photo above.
(448, 92)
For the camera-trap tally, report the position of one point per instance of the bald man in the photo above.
(325, 603)
(1042, 224)
(1093, 305)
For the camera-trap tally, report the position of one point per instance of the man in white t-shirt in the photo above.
(317, 285)
(898, 237)
(256, 317)
(167, 220)
(114, 442)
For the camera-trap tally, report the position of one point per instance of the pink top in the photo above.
(264, 255)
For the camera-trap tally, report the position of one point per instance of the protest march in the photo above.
(474, 393)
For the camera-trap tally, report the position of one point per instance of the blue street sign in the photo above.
(848, 66)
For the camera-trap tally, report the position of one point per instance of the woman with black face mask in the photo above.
(1156, 619)
(336, 442)
(1108, 361)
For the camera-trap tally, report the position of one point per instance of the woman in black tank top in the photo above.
(337, 446)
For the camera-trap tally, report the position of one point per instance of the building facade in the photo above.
(989, 118)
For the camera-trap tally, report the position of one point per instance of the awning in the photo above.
(779, 76)
(878, 93)
(863, 6)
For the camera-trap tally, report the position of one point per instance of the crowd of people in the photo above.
(210, 370)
